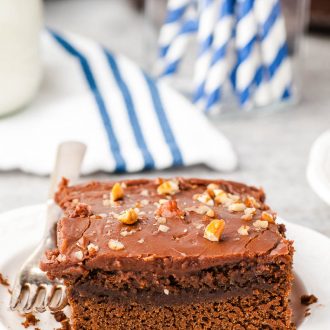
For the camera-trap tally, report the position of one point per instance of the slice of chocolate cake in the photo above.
(171, 254)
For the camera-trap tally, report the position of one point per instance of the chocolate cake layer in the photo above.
(89, 219)
(259, 310)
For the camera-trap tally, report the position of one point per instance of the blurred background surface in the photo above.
(273, 149)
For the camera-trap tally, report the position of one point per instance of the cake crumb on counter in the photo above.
(3, 280)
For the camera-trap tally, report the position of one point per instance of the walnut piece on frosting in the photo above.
(249, 212)
(163, 228)
(243, 230)
(214, 230)
(236, 207)
(116, 245)
(168, 188)
(267, 217)
(226, 199)
(250, 201)
(210, 189)
(204, 198)
(117, 192)
(129, 217)
(260, 224)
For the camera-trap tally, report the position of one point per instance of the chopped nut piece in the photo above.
(116, 245)
(163, 228)
(166, 291)
(237, 207)
(222, 197)
(234, 198)
(141, 241)
(251, 202)
(249, 212)
(210, 189)
(267, 217)
(168, 188)
(199, 209)
(214, 230)
(125, 232)
(260, 224)
(219, 192)
(212, 186)
(92, 248)
(210, 213)
(169, 209)
(75, 201)
(243, 230)
(117, 192)
(79, 255)
(128, 217)
(205, 199)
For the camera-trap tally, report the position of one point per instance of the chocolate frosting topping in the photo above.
(169, 234)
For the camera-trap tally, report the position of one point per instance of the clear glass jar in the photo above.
(265, 96)
(20, 61)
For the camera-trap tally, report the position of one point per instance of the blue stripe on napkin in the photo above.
(112, 139)
(164, 123)
(149, 162)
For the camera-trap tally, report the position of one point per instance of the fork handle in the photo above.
(68, 161)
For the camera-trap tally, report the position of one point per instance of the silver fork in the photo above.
(33, 291)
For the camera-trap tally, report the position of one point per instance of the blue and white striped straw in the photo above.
(175, 51)
(221, 58)
(207, 21)
(274, 47)
(262, 72)
(172, 24)
(248, 71)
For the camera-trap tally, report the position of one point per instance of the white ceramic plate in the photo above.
(21, 229)
(318, 169)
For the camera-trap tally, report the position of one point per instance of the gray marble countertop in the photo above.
(273, 149)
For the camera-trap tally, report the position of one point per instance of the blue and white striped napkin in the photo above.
(129, 122)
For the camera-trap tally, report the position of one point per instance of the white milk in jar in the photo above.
(20, 63)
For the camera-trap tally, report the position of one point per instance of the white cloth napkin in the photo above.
(129, 122)
(318, 170)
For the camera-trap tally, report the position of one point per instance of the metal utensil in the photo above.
(33, 291)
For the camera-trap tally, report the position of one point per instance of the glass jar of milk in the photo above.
(20, 62)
